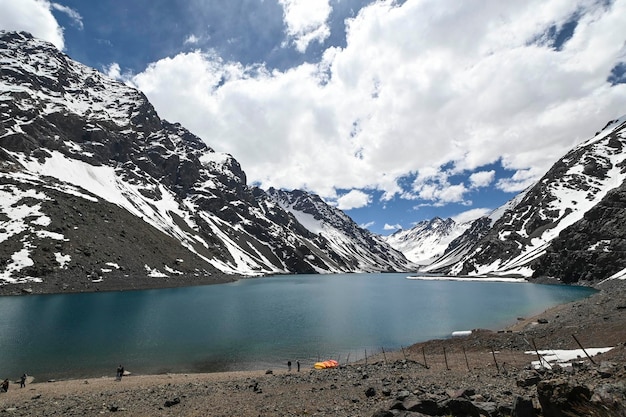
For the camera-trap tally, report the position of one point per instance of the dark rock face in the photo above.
(591, 248)
(92, 161)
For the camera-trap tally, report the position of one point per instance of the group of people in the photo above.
(297, 364)
(5, 384)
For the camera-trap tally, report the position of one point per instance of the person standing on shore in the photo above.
(289, 366)
(23, 380)
(5, 385)
(298, 364)
(119, 373)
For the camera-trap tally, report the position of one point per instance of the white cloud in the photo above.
(434, 186)
(113, 71)
(521, 180)
(192, 39)
(353, 199)
(367, 225)
(33, 16)
(482, 178)
(392, 226)
(306, 21)
(419, 86)
(73, 14)
(470, 215)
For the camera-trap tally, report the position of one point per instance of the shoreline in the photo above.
(64, 283)
(455, 363)
(515, 326)
(511, 325)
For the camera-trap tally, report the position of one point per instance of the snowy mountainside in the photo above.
(363, 250)
(427, 240)
(475, 230)
(97, 188)
(569, 225)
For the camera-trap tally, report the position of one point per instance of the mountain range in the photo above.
(97, 192)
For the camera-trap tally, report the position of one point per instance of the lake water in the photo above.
(251, 324)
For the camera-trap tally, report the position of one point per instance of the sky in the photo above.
(393, 111)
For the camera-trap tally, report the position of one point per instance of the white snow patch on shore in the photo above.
(155, 273)
(19, 260)
(62, 260)
(481, 279)
(559, 357)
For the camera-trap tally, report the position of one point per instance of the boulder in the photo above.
(486, 408)
(459, 407)
(172, 402)
(528, 379)
(559, 399)
(523, 407)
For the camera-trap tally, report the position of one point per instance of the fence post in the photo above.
(493, 353)
(466, 361)
(581, 346)
(537, 352)
(445, 357)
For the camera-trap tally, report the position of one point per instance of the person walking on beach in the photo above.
(23, 380)
(289, 366)
(298, 364)
(119, 373)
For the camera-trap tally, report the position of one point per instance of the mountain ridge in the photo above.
(568, 226)
(72, 138)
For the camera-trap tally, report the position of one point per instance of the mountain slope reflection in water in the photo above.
(251, 324)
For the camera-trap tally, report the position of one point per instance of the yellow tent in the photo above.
(326, 364)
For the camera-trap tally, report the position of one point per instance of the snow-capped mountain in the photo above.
(95, 187)
(361, 249)
(570, 225)
(427, 241)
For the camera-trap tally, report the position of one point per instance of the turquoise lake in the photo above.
(251, 324)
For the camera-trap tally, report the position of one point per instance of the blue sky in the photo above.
(395, 111)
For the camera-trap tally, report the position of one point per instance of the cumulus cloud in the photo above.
(392, 226)
(353, 199)
(33, 16)
(306, 21)
(482, 178)
(429, 88)
(521, 180)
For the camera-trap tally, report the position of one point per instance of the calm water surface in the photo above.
(251, 324)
